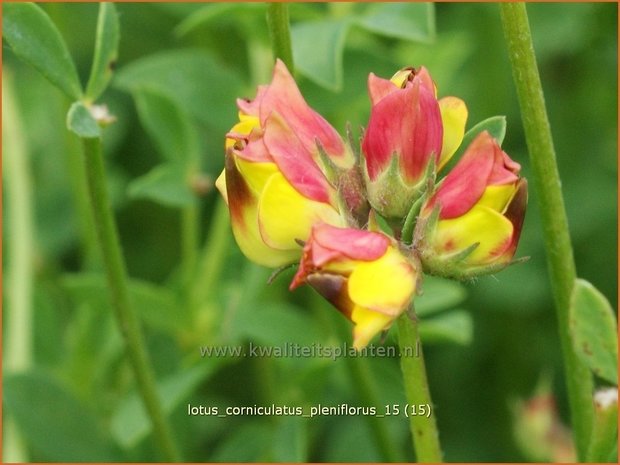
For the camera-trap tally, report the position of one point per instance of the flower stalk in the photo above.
(279, 32)
(555, 224)
(424, 430)
(20, 271)
(126, 317)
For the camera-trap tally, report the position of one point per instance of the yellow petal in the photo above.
(256, 174)
(385, 285)
(250, 241)
(368, 323)
(498, 197)
(285, 215)
(454, 116)
(481, 225)
(220, 184)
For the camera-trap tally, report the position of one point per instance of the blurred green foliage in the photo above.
(180, 68)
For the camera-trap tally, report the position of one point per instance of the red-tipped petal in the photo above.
(252, 107)
(425, 78)
(295, 161)
(505, 170)
(283, 96)
(465, 184)
(408, 123)
(378, 88)
(350, 243)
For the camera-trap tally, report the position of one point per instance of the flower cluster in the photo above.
(296, 191)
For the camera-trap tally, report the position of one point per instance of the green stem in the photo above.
(213, 256)
(547, 184)
(189, 243)
(280, 33)
(126, 317)
(605, 428)
(423, 429)
(367, 388)
(20, 255)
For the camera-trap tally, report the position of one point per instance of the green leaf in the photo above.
(317, 50)
(156, 305)
(455, 326)
(439, 294)
(214, 12)
(404, 20)
(192, 79)
(130, 423)
(166, 184)
(106, 51)
(168, 125)
(54, 422)
(36, 40)
(496, 125)
(81, 122)
(593, 330)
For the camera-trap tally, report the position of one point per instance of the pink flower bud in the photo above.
(274, 181)
(362, 273)
(410, 136)
(472, 223)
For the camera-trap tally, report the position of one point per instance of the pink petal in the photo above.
(252, 107)
(427, 136)
(505, 170)
(408, 123)
(351, 243)
(283, 97)
(378, 88)
(425, 78)
(465, 184)
(295, 161)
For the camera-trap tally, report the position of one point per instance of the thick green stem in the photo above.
(423, 428)
(20, 273)
(555, 224)
(126, 317)
(279, 31)
(367, 388)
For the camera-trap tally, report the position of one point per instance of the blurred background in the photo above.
(68, 391)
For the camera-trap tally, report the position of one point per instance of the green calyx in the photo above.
(390, 194)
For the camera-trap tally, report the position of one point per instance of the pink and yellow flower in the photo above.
(362, 273)
(273, 180)
(472, 223)
(408, 129)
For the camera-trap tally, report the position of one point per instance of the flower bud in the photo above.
(273, 181)
(410, 135)
(362, 273)
(471, 224)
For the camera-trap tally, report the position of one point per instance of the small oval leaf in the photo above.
(106, 51)
(593, 330)
(81, 122)
(36, 40)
